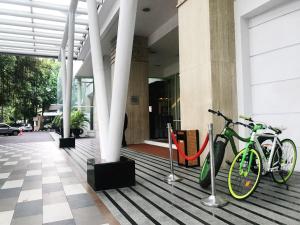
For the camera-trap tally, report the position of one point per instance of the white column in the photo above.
(63, 73)
(79, 93)
(99, 77)
(64, 86)
(68, 93)
(126, 27)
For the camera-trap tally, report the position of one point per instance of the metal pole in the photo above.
(212, 200)
(79, 93)
(212, 159)
(171, 177)
(170, 148)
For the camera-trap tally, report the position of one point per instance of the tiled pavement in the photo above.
(38, 186)
(152, 201)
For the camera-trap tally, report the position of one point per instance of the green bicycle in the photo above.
(252, 162)
(220, 143)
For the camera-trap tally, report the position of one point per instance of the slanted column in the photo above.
(68, 85)
(64, 84)
(79, 93)
(99, 78)
(63, 73)
(126, 27)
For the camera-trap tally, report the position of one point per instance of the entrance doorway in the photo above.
(164, 106)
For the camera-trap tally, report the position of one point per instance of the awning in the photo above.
(36, 27)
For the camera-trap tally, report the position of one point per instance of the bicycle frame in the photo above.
(267, 163)
(228, 134)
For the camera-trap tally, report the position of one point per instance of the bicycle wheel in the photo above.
(242, 181)
(285, 160)
(204, 177)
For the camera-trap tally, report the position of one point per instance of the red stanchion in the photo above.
(182, 153)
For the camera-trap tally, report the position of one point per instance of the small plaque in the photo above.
(135, 100)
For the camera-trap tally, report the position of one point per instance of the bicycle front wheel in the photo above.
(242, 180)
(205, 174)
(284, 161)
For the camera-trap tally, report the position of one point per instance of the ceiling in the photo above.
(165, 49)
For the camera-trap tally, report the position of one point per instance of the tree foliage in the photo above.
(27, 85)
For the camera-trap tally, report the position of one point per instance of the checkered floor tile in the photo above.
(37, 186)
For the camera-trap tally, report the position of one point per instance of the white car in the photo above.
(26, 128)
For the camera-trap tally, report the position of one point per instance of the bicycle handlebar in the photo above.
(218, 113)
(246, 118)
(245, 125)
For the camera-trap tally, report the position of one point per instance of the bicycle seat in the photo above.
(278, 130)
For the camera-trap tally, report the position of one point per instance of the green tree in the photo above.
(27, 85)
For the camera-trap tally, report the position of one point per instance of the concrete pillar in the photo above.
(126, 27)
(99, 79)
(137, 106)
(207, 63)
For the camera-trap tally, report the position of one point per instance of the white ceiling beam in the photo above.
(41, 16)
(78, 37)
(39, 26)
(36, 41)
(28, 46)
(98, 1)
(43, 5)
(30, 53)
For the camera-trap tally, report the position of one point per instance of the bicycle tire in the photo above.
(278, 153)
(205, 174)
(231, 176)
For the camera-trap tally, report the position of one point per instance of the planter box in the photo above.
(102, 176)
(67, 142)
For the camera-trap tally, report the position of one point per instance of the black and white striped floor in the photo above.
(152, 201)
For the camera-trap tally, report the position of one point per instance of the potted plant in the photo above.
(78, 122)
(56, 123)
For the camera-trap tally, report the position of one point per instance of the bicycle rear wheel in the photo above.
(285, 160)
(242, 180)
(204, 177)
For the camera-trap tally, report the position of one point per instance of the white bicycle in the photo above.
(277, 157)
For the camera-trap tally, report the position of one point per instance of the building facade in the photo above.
(239, 57)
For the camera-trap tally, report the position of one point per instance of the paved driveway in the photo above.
(26, 137)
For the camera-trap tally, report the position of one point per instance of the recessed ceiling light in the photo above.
(146, 9)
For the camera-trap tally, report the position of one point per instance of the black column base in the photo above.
(103, 176)
(67, 142)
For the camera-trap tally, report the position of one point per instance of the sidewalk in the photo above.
(39, 185)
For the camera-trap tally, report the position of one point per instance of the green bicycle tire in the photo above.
(205, 174)
(236, 163)
(285, 179)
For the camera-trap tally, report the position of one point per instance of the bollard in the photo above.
(171, 177)
(213, 200)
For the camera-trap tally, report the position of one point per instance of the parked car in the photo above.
(26, 128)
(8, 130)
